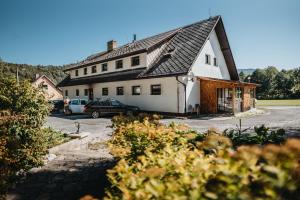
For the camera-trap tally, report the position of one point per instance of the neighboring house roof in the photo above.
(49, 80)
(182, 46)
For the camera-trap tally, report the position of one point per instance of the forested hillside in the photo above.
(26, 71)
(275, 84)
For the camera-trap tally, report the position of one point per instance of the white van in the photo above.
(75, 106)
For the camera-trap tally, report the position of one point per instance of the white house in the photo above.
(51, 92)
(166, 73)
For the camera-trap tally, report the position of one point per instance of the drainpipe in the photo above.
(184, 86)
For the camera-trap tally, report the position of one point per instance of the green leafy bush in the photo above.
(23, 141)
(261, 135)
(170, 166)
(53, 137)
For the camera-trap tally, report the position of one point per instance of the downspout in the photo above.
(184, 86)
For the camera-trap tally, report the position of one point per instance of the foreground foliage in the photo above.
(173, 162)
(23, 141)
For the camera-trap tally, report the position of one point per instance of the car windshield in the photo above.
(116, 103)
(74, 102)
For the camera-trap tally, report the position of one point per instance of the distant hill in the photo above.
(246, 71)
(55, 73)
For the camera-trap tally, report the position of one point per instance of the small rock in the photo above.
(78, 164)
(50, 157)
(58, 177)
(72, 170)
(71, 187)
(44, 196)
(50, 186)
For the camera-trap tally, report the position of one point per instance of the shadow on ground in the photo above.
(65, 182)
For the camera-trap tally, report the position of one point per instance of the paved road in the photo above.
(275, 117)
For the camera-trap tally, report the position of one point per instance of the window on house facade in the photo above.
(215, 62)
(135, 61)
(104, 67)
(45, 87)
(119, 64)
(94, 69)
(238, 92)
(156, 89)
(85, 71)
(77, 92)
(136, 90)
(86, 92)
(76, 72)
(120, 90)
(66, 93)
(104, 91)
(252, 93)
(207, 59)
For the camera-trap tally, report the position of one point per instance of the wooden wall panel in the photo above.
(208, 94)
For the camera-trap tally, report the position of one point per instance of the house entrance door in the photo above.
(91, 94)
(224, 99)
(238, 104)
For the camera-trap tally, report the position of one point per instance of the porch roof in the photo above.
(228, 82)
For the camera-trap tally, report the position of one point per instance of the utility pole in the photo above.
(18, 75)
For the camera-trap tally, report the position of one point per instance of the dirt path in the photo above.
(77, 170)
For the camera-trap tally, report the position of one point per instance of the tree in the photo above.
(242, 76)
(23, 110)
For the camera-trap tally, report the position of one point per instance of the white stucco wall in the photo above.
(212, 48)
(166, 102)
(111, 66)
(200, 68)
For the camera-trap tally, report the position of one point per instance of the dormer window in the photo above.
(207, 59)
(85, 71)
(94, 69)
(104, 67)
(135, 61)
(215, 62)
(76, 72)
(119, 64)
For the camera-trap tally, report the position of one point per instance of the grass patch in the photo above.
(54, 137)
(285, 102)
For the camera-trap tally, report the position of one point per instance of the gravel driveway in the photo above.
(274, 117)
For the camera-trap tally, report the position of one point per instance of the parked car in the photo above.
(96, 108)
(58, 106)
(75, 106)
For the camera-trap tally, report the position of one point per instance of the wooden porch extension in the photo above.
(225, 96)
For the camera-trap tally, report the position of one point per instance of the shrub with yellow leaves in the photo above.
(168, 166)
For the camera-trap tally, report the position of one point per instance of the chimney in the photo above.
(37, 76)
(134, 38)
(111, 45)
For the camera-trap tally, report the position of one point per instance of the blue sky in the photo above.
(260, 32)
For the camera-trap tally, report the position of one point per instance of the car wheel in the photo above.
(95, 114)
(68, 112)
(129, 113)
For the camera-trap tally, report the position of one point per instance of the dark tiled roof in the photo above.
(181, 48)
(101, 78)
(137, 46)
(180, 52)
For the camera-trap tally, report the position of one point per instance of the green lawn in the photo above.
(286, 102)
